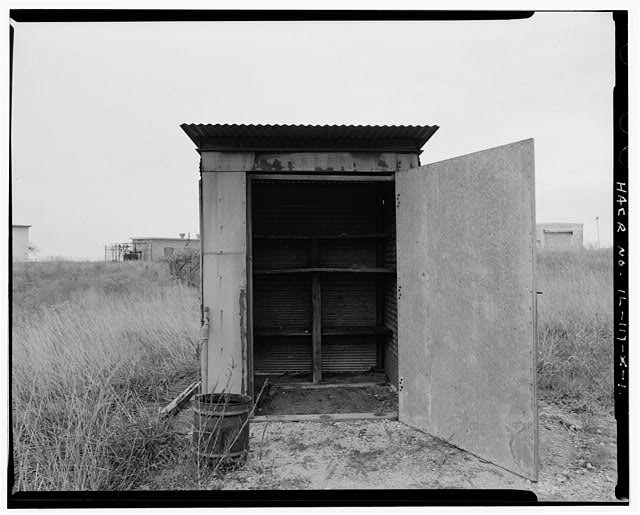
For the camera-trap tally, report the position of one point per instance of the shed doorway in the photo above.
(322, 257)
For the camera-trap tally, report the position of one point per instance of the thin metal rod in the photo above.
(204, 352)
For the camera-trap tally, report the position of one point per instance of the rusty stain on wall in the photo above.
(243, 332)
(266, 165)
(519, 445)
(330, 161)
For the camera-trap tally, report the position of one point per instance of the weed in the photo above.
(91, 344)
(600, 457)
(94, 343)
(575, 320)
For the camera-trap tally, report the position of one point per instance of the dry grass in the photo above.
(94, 344)
(575, 324)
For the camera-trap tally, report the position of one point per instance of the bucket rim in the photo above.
(230, 399)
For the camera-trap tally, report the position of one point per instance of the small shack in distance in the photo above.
(155, 249)
(20, 242)
(149, 248)
(559, 236)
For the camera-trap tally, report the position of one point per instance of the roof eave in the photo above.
(308, 138)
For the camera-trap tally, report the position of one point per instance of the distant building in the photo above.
(155, 249)
(20, 242)
(559, 236)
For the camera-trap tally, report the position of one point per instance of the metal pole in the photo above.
(204, 352)
(598, 228)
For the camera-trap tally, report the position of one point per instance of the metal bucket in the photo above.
(221, 427)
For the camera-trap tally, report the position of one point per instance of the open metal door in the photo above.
(466, 303)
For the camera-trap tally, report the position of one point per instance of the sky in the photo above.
(99, 157)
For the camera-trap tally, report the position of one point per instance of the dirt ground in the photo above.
(377, 399)
(328, 377)
(577, 458)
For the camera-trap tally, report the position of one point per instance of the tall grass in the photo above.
(92, 346)
(95, 346)
(575, 325)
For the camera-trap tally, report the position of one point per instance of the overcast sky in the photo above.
(98, 154)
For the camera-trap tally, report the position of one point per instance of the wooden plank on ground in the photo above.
(329, 417)
(174, 406)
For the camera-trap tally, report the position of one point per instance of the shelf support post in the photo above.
(380, 340)
(316, 304)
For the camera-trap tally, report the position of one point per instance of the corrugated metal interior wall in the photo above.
(390, 310)
(285, 217)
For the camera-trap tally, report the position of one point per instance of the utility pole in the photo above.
(598, 229)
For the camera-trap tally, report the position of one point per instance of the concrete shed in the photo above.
(559, 236)
(20, 242)
(332, 248)
(155, 249)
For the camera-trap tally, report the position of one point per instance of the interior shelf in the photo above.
(326, 331)
(341, 236)
(269, 331)
(323, 267)
(358, 270)
(356, 331)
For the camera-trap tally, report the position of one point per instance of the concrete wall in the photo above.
(559, 236)
(466, 317)
(153, 248)
(224, 280)
(297, 162)
(20, 245)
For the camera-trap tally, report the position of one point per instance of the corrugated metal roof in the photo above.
(389, 138)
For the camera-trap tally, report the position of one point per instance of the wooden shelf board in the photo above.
(320, 237)
(329, 331)
(281, 332)
(341, 270)
(356, 331)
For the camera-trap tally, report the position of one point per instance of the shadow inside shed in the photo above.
(347, 394)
